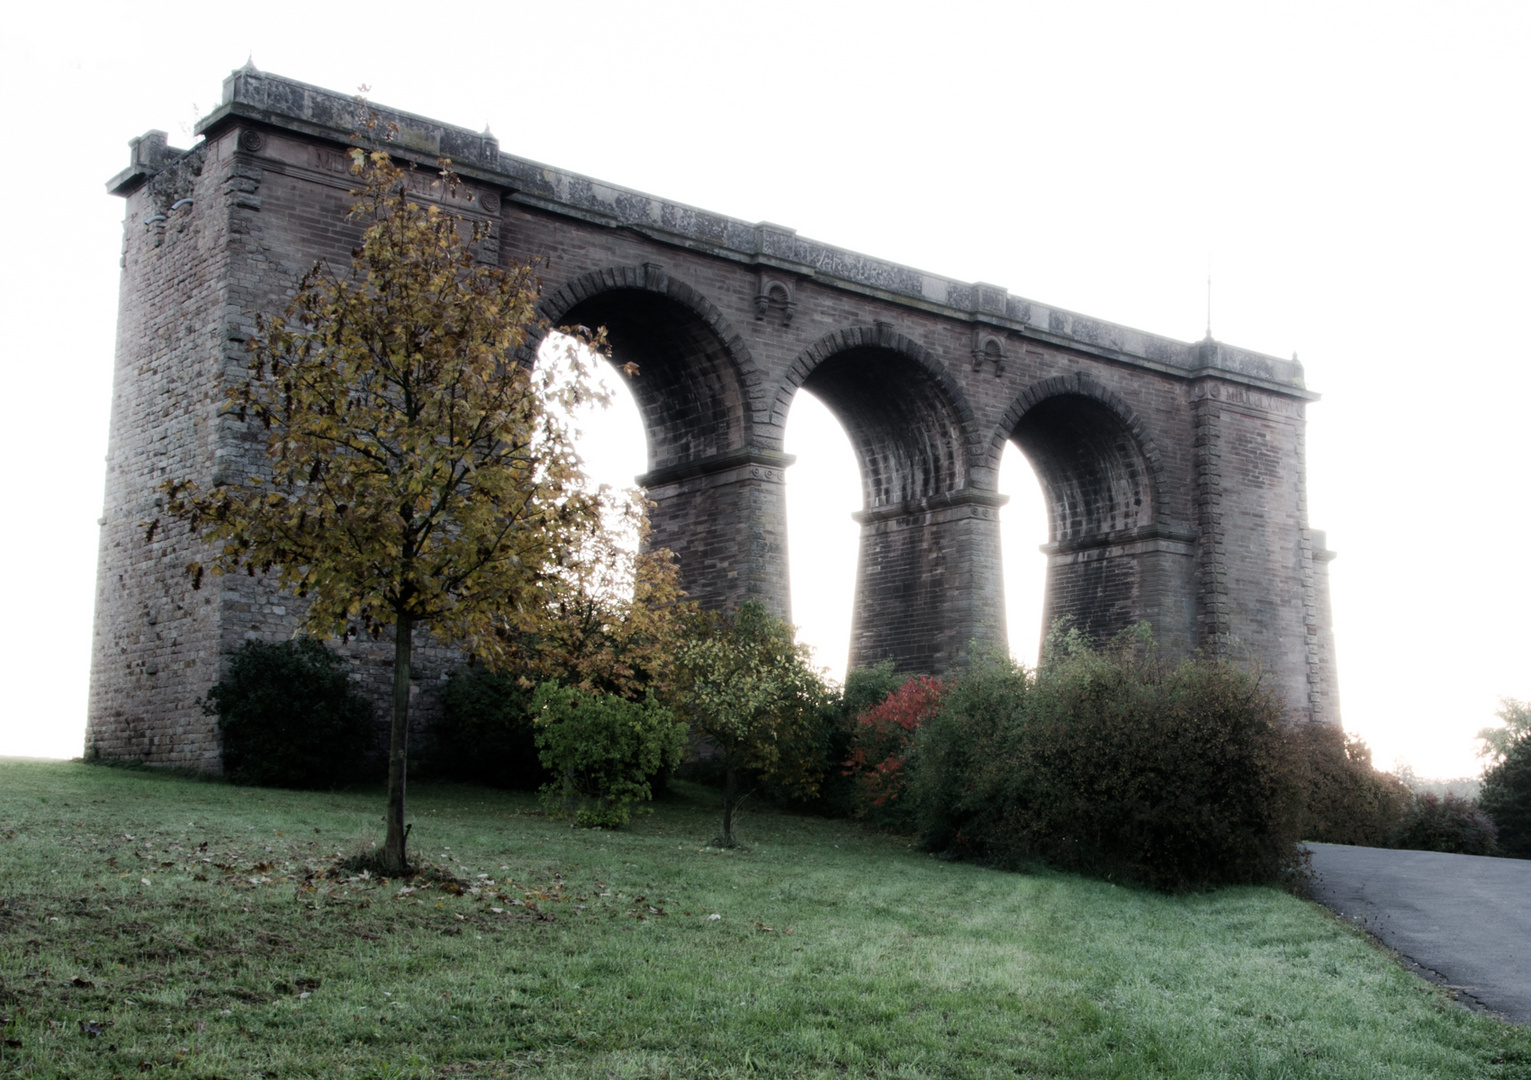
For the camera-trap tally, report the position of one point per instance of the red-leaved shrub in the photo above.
(883, 739)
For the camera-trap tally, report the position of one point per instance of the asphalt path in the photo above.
(1463, 921)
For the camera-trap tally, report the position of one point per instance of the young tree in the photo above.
(419, 477)
(748, 686)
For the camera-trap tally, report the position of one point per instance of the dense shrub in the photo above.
(601, 752)
(1111, 763)
(486, 735)
(1344, 799)
(839, 795)
(865, 688)
(1506, 798)
(967, 779)
(289, 717)
(1446, 823)
(881, 745)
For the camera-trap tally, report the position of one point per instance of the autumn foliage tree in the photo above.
(747, 686)
(416, 475)
(616, 626)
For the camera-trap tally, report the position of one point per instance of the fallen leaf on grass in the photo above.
(83, 984)
(91, 1028)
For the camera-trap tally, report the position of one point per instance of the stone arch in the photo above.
(907, 417)
(924, 586)
(1101, 471)
(694, 369)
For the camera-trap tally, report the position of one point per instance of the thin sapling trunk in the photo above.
(730, 798)
(398, 747)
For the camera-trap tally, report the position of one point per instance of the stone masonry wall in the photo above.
(1174, 471)
(154, 636)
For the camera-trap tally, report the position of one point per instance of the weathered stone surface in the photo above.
(1174, 472)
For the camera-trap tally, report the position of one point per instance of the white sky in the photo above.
(1356, 173)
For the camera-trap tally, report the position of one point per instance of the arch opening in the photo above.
(715, 499)
(823, 493)
(1106, 566)
(1091, 468)
(687, 387)
(926, 582)
(1023, 536)
(904, 430)
(610, 440)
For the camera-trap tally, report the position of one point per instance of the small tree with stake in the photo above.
(418, 475)
(749, 687)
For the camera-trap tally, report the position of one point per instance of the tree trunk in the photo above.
(730, 795)
(398, 747)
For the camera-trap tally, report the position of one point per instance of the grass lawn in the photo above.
(156, 925)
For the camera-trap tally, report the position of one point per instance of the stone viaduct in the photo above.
(1174, 473)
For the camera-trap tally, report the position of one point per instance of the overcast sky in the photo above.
(1356, 174)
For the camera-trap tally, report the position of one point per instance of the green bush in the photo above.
(1506, 798)
(966, 778)
(1344, 799)
(1450, 823)
(289, 717)
(866, 688)
(1111, 763)
(601, 752)
(486, 735)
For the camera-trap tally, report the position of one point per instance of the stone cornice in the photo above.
(773, 461)
(985, 503)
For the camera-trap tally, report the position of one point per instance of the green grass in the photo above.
(838, 952)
